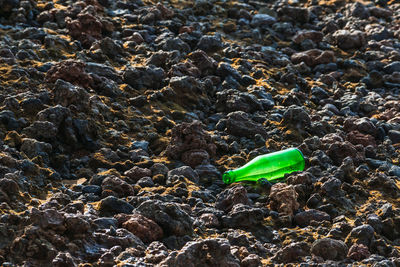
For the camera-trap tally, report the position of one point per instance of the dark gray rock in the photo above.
(144, 77)
(41, 130)
(112, 205)
(305, 217)
(394, 136)
(362, 234)
(349, 40)
(145, 182)
(392, 67)
(185, 171)
(329, 249)
(169, 216)
(210, 43)
(56, 115)
(292, 252)
(206, 252)
(95, 189)
(296, 117)
(242, 216)
(230, 197)
(239, 124)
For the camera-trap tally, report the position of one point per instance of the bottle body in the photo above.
(271, 166)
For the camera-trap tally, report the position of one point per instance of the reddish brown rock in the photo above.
(251, 260)
(358, 252)
(203, 62)
(49, 218)
(315, 36)
(117, 185)
(303, 178)
(187, 29)
(304, 218)
(190, 143)
(204, 252)
(136, 173)
(144, 228)
(70, 71)
(363, 125)
(349, 39)
(329, 249)
(166, 13)
(76, 224)
(239, 124)
(230, 197)
(195, 157)
(9, 186)
(283, 198)
(136, 37)
(332, 138)
(86, 28)
(340, 150)
(292, 252)
(355, 137)
(184, 68)
(313, 57)
(380, 12)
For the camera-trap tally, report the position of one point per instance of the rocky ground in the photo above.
(117, 119)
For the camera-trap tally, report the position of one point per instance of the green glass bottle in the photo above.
(271, 166)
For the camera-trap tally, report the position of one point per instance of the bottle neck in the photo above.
(229, 177)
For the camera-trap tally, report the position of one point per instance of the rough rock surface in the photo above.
(230, 197)
(191, 144)
(144, 228)
(208, 252)
(329, 249)
(284, 198)
(119, 118)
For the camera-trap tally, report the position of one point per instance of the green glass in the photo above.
(271, 166)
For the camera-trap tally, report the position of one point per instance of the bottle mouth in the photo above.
(227, 177)
(301, 153)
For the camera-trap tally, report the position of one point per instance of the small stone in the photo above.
(185, 171)
(329, 249)
(210, 43)
(283, 199)
(349, 40)
(169, 216)
(112, 205)
(362, 234)
(261, 20)
(240, 124)
(394, 136)
(292, 252)
(230, 197)
(122, 188)
(251, 260)
(69, 71)
(136, 173)
(296, 117)
(145, 182)
(144, 77)
(206, 252)
(144, 228)
(190, 140)
(209, 220)
(315, 36)
(358, 252)
(304, 218)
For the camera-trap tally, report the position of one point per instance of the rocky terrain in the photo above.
(117, 119)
